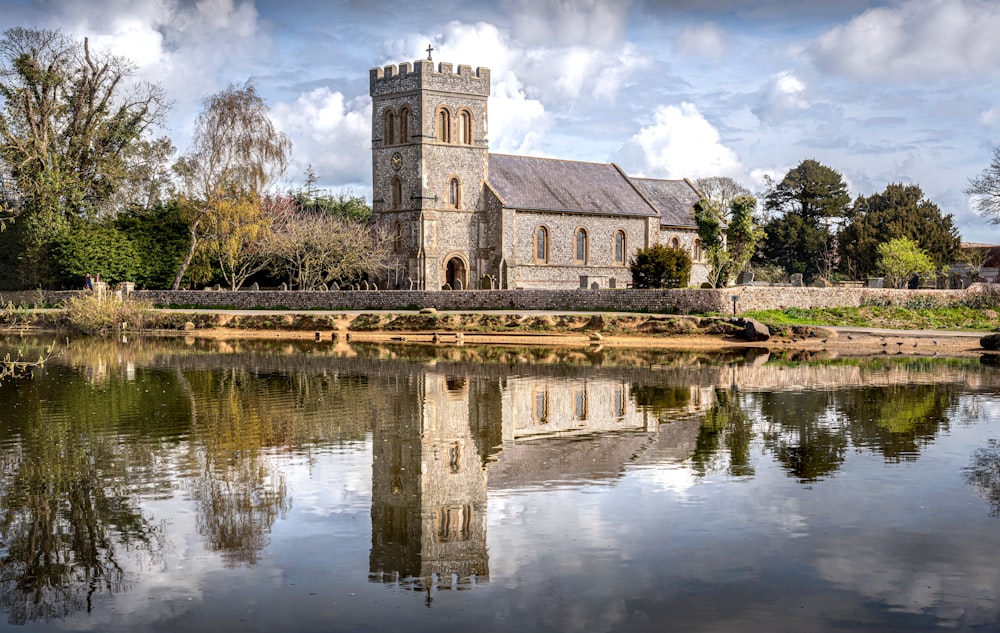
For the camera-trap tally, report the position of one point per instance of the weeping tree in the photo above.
(235, 158)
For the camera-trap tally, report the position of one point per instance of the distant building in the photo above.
(461, 216)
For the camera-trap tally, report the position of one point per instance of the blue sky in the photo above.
(897, 91)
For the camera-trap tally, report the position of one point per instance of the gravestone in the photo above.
(283, 287)
(335, 286)
(364, 284)
(595, 286)
(819, 282)
(458, 284)
(796, 279)
(374, 286)
(745, 278)
(323, 287)
(356, 287)
(409, 283)
(255, 287)
(446, 287)
(874, 282)
(216, 287)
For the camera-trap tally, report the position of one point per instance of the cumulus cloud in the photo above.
(783, 95)
(702, 40)
(680, 143)
(914, 40)
(990, 118)
(329, 132)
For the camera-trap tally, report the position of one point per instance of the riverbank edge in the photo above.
(562, 329)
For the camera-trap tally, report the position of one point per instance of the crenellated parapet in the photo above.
(422, 74)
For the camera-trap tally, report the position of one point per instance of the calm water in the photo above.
(172, 485)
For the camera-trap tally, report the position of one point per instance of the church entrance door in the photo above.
(455, 271)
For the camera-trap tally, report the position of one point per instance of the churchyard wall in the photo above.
(617, 300)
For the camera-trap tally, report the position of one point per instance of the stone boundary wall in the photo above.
(620, 300)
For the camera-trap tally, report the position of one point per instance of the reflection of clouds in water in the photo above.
(328, 483)
(956, 585)
(676, 479)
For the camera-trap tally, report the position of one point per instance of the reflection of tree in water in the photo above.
(808, 432)
(68, 512)
(727, 425)
(660, 400)
(238, 496)
(800, 434)
(897, 421)
(983, 473)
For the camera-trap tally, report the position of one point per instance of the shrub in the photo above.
(660, 266)
(91, 313)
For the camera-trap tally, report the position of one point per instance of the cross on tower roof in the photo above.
(430, 49)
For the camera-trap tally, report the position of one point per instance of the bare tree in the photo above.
(985, 189)
(720, 191)
(235, 157)
(315, 248)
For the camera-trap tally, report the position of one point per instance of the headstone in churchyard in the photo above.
(595, 286)
(819, 282)
(216, 287)
(966, 281)
(364, 284)
(875, 282)
(356, 287)
(745, 278)
(323, 287)
(409, 283)
(255, 286)
(458, 284)
(942, 282)
(206, 288)
(796, 280)
(335, 286)
(374, 286)
(446, 287)
(954, 281)
(283, 287)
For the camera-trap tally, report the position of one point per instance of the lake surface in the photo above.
(172, 485)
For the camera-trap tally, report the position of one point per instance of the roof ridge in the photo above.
(550, 158)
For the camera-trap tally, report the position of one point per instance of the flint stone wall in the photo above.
(619, 300)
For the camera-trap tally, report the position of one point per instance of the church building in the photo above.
(460, 216)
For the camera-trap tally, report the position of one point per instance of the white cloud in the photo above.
(783, 96)
(990, 118)
(702, 40)
(915, 40)
(681, 143)
(330, 132)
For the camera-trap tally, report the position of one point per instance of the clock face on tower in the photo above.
(396, 161)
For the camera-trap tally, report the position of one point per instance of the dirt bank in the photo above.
(631, 331)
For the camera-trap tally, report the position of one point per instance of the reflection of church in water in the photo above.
(445, 440)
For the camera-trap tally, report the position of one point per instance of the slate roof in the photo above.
(546, 184)
(672, 198)
(565, 186)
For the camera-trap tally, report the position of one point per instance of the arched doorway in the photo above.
(456, 270)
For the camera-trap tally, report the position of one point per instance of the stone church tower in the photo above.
(430, 163)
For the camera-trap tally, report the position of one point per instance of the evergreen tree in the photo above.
(803, 205)
(898, 211)
(661, 266)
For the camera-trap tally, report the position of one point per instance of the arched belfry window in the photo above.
(397, 193)
(620, 247)
(389, 128)
(454, 193)
(580, 246)
(465, 128)
(404, 125)
(444, 126)
(541, 245)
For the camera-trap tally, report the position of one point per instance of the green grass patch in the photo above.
(955, 317)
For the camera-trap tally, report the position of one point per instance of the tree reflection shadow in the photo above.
(983, 473)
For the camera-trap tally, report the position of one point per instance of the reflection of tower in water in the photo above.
(429, 484)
